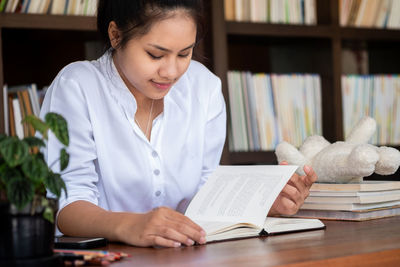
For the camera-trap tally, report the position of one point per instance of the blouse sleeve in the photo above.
(66, 97)
(215, 133)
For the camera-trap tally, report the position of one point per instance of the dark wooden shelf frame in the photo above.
(317, 31)
(253, 157)
(51, 22)
(369, 34)
(265, 29)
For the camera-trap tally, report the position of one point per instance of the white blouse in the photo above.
(112, 164)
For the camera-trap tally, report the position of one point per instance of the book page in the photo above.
(239, 194)
(215, 227)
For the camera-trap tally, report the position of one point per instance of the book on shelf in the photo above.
(19, 130)
(10, 120)
(5, 110)
(58, 7)
(354, 215)
(393, 20)
(238, 119)
(382, 14)
(229, 9)
(235, 201)
(267, 125)
(11, 5)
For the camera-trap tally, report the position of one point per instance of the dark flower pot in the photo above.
(25, 240)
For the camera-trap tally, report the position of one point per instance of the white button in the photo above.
(156, 171)
(154, 154)
(158, 193)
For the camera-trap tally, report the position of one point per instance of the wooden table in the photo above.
(369, 243)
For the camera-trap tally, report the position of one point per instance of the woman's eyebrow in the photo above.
(168, 50)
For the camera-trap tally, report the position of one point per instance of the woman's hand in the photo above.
(160, 227)
(294, 193)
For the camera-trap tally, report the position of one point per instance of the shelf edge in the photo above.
(51, 22)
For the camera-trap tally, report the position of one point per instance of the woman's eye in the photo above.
(184, 55)
(153, 56)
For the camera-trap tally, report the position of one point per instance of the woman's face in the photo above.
(152, 63)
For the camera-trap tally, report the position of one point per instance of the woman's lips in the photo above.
(162, 86)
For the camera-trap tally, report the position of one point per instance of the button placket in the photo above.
(156, 175)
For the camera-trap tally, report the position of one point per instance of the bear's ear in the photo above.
(363, 131)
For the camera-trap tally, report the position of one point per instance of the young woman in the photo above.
(147, 127)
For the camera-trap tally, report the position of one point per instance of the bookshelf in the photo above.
(34, 47)
(246, 46)
(26, 39)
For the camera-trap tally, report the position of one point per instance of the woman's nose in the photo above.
(169, 70)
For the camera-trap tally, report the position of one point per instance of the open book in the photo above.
(235, 201)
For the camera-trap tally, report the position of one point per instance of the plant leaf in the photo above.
(64, 159)
(55, 183)
(58, 126)
(14, 151)
(20, 191)
(37, 124)
(35, 169)
(7, 173)
(34, 141)
(40, 155)
(48, 212)
(2, 136)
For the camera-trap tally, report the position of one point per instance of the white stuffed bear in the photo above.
(342, 162)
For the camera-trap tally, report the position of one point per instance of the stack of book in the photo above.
(354, 202)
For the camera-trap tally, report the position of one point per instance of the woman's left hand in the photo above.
(294, 193)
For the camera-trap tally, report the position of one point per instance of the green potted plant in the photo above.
(27, 215)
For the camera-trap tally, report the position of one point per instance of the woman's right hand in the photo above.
(159, 227)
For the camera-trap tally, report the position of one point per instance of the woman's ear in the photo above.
(114, 34)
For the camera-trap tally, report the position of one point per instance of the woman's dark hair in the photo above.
(135, 17)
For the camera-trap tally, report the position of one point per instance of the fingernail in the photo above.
(306, 168)
(177, 244)
(202, 240)
(203, 233)
(190, 242)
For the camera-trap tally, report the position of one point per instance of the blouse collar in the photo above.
(119, 91)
